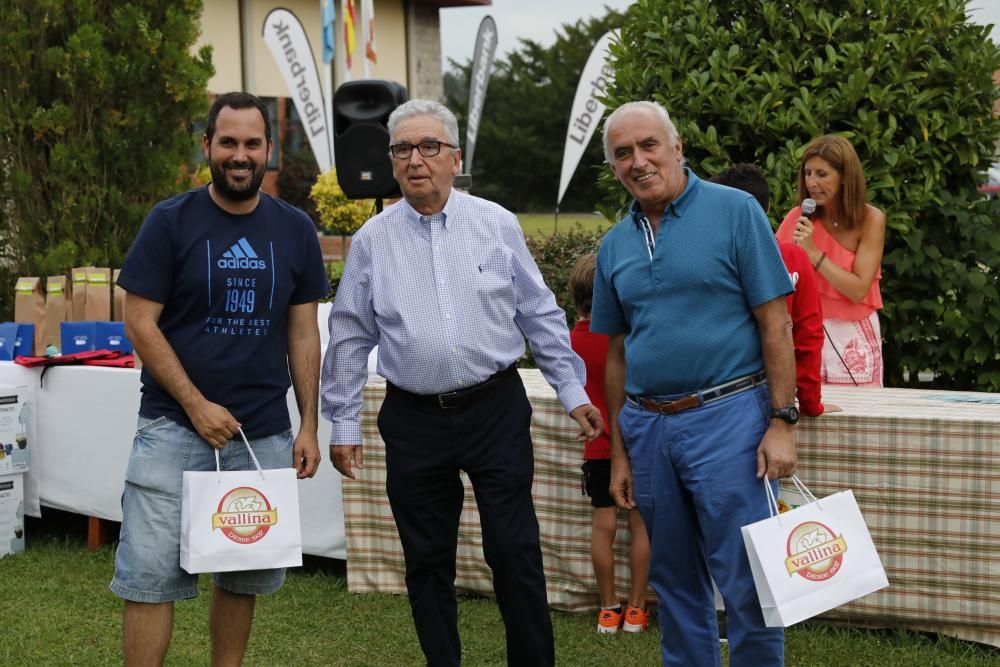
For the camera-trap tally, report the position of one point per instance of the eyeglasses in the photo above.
(426, 149)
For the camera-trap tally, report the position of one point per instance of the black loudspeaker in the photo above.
(361, 137)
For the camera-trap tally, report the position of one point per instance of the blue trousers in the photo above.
(694, 476)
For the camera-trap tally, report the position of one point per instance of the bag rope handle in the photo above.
(253, 456)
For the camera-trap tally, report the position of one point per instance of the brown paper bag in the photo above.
(118, 299)
(29, 308)
(78, 293)
(68, 298)
(55, 310)
(98, 306)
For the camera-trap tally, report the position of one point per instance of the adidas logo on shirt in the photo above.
(241, 256)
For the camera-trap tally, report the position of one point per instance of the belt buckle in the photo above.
(442, 398)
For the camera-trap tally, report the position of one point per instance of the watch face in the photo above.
(793, 414)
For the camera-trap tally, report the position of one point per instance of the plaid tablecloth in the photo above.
(924, 466)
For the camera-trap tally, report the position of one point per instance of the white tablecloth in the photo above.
(85, 422)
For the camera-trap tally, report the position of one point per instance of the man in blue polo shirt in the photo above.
(700, 382)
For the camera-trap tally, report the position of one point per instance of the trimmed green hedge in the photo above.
(555, 256)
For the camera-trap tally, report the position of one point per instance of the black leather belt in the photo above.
(701, 397)
(460, 397)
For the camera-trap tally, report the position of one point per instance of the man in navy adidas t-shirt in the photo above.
(223, 284)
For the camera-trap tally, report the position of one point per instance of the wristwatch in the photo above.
(789, 413)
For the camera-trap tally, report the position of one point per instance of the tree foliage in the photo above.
(299, 169)
(908, 82)
(96, 104)
(523, 128)
(296, 180)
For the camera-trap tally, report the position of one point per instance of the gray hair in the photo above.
(657, 109)
(436, 110)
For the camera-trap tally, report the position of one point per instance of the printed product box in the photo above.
(15, 430)
(15, 340)
(23, 340)
(111, 336)
(8, 337)
(11, 514)
(78, 337)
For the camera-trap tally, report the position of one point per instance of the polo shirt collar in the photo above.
(677, 207)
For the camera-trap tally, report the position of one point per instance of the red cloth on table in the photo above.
(88, 358)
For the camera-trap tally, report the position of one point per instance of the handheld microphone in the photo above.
(808, 207)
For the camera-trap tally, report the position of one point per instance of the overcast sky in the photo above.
(986, 11)
(539, 19)
(529, 19)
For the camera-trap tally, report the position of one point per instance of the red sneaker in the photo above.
(608, 621)
(636, 620)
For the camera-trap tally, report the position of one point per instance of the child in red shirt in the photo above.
(593, 349)
(803, 305)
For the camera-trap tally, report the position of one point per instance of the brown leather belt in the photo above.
(701, 397)
(460, 397)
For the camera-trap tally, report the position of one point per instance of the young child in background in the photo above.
(803, 305)
(593, 349)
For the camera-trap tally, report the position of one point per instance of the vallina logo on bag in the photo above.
(814, 551)
(244, 515)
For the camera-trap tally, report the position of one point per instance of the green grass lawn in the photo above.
(544, 224)
(56, 610)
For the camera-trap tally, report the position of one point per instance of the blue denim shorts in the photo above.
(147, 564)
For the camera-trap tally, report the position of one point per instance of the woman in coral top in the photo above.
(844, 239)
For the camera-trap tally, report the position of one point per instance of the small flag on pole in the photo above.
(368, 11)
(349, 20)
(329, 19)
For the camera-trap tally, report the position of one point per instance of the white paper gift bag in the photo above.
(812, 558)
(245, 520)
